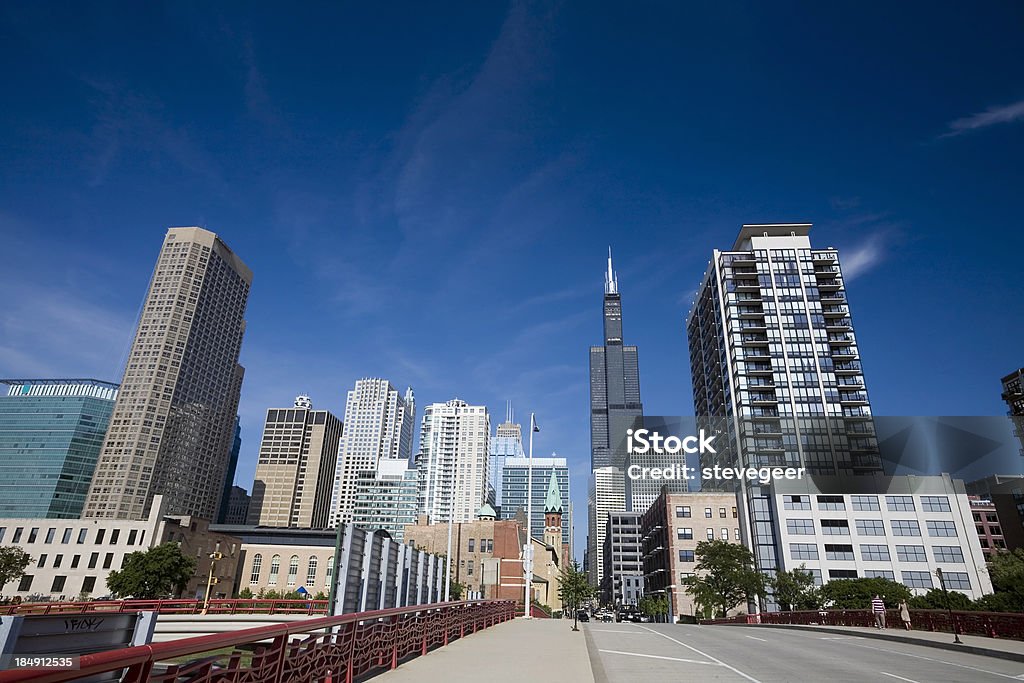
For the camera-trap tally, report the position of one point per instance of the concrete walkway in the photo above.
(516, 651)
(1000, 648)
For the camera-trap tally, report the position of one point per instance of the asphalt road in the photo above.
(635, 653)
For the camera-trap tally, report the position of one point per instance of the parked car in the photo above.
(581, 615)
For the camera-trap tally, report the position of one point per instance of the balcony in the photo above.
(853, 398)
(835, 311)
(829, 284)
(843, 352)
(824, 256)
(763, 399)
(752, 340)
(857, 382)
(758, 368)
(838, 324)
(846, 367)
(832, 298)
(840, 340)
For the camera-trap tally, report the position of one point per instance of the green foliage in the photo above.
(936, 599)
(153, 573)
(725, 576)
(654, 606)
(795, 590)
(13, 562)
(1007, 572)
(455, 589)
(574, 589)
(996, 602)
(858, 593)
(245, 594)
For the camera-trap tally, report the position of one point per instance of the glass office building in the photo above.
(513, 490)
(51, 432)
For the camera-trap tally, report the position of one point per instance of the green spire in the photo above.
(553, 501)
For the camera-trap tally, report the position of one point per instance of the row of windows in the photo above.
(58, 585)
(293, 570)
(135, 536)
(686, 534)
(877, 553)
(683, 511)
(872, 527)
(861, 502)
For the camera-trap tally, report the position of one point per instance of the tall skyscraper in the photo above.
(295, 471)
(513, 487)
(386, 498)
(506, 443)
(452, 461)
(614, 407)
(173, 423)
(378, 425)
(607, 495)
(1013, 394)
(51, 431)
(226, 501)
(776, 369)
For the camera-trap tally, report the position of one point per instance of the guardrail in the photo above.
(336, 649)
(990, 624)
(222, 606)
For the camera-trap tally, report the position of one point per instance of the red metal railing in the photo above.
(325, 649)
(253, 606)
(990, 624)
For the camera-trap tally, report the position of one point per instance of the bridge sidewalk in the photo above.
(513, 652)
(1000, 648)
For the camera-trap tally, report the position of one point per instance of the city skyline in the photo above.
(473, 193)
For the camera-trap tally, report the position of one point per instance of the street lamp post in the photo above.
(528, 548)
(211, 580)
(949, 610)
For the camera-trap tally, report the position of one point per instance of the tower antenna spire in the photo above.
(611, 278)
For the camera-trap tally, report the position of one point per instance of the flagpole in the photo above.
(528, 548)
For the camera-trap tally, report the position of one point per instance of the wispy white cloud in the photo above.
(862, 257)
(1007, 113)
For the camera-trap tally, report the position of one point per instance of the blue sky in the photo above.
(427, 193)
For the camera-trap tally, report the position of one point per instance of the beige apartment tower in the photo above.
(173, 424)
(295, 471)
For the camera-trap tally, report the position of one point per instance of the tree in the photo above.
(574, 589)
(858, 593)
(455, 589)
(795, 590)
(13, 561)
(936, 599)
(725, 576)
(654, 606)
(245, 594)
(1007, 572)
(153, 573)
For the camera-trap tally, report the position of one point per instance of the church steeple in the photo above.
(553, 501)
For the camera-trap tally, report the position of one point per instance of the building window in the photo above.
(101, 533)
(469, 572)
(330, 572)
(905, 527)
(681, 511)
(683, 577)
(116, 533)
(725, 536)
(935, 503)
(82, 533)
(835, 551)
(721, 514)
(311, 571)
(66, 538)
(874, 553)
(938, 528)
(26, 583)
(797, 527)
(293, 570)
(108, 560)
(917, 579)
(801, 551)
(710, 533)
(95, 557)
(34, 533)
(682, 534)
(864, 502)
(948, 553)
(134, 533)
(736, 534)
(257, 562)
(957, 580)
(900, 503)
(75, 560)
(275, 569)
(911, 553)
(42, 562)
(842, 573)
(879, 574)
(684, 556)
(707, 515)
(19, 530)
(735, 514)
(50, 533)
(831, 503)
(870, 527)
(88, 584)
(835, 527)
(57, 559)
(793, 503)
(472, 545)
(59, 581)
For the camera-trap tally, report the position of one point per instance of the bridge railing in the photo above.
(990, 624)
(222, 606)
(333, 649)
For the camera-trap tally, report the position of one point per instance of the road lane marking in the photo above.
(900, 678)
(753, 638)
(938, 661)
(673, 659)
(612, 630)
(703, 654)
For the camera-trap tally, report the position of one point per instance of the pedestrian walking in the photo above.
(878, 608)
(905, 614)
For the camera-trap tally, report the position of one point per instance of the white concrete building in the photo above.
(453, 461)
(607, 494)
(378, 425)
(899, 528)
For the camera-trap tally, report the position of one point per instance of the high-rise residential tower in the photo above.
(173, 424)
(386, 498)
(452, 461)
(614, 407)
(776, 368)
(378, 425)
(607, 495)
(295, 470)
(513, 488)
(506, 443)
(51, 431)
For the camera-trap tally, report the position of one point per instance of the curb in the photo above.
(970, 649)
